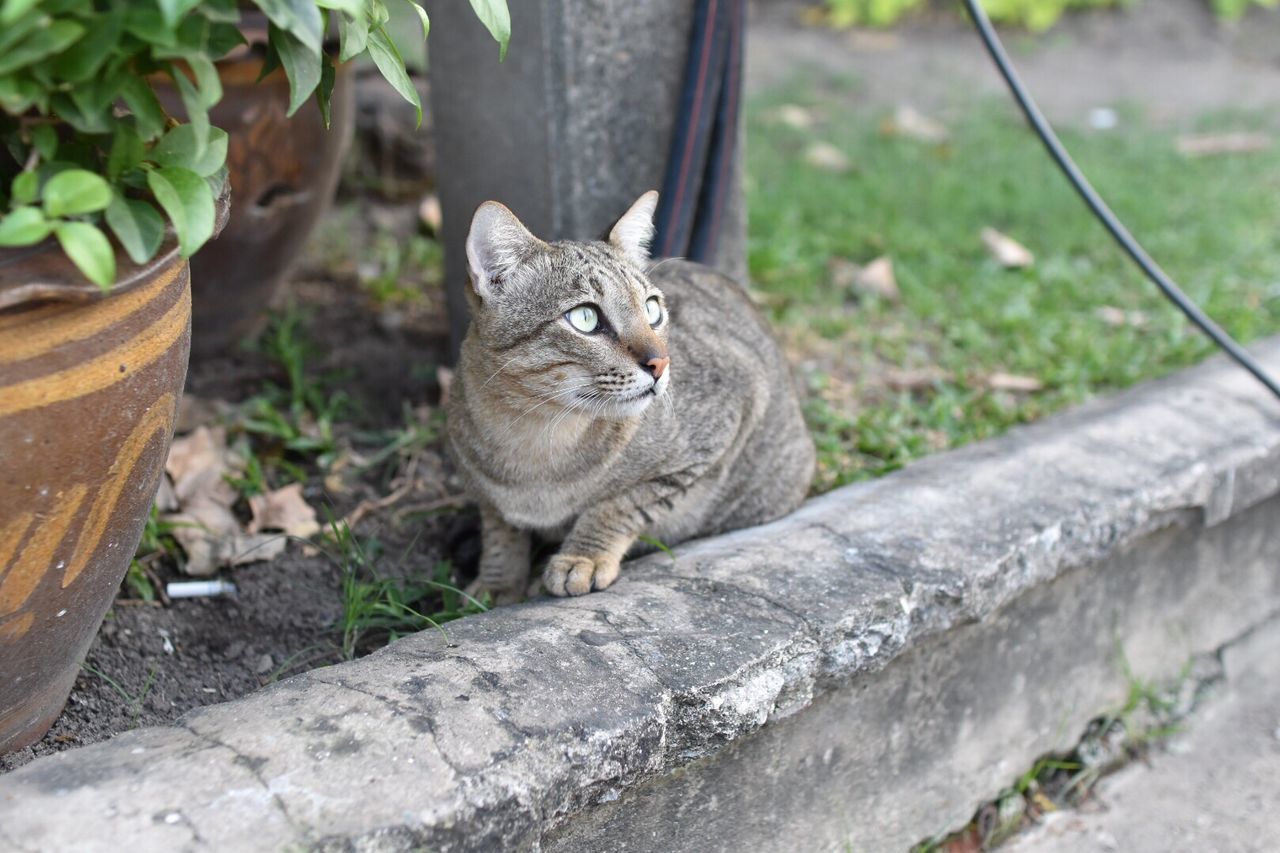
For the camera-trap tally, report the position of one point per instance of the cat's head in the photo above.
(570, 324)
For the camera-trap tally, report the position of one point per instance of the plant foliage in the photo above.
(1233, 10)
(1036, 15)
(86, 147)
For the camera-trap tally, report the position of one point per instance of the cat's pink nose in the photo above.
(656, 366)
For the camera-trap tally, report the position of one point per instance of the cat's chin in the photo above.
(632, 407)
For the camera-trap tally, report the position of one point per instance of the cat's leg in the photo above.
(504, 559)
(591, 555)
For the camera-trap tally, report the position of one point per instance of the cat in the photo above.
(596, 403)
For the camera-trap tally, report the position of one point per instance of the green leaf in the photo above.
(17, 95)
(174, 10)
(144, 104)
(497, 20)
(178, 148)
(23, 226)
(82, 110)
(45, 140)
(187, 199)
(270, 62)
(83, 59)
(353, 36)
(16, 30)
(324, 92)
(197, 112)
(426, 22)
(299, 18)
(75, 191)
(223, 38)
(301, 64)
(14, 9)
(127, 150)
(387, 58)
(90, 250)
(25, 188)
(354, 8)
(219, 11)
(137, 225)
(207, 80)
(146, 22)
(54, 38)
(217, 182)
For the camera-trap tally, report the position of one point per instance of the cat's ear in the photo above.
(496, 245)
(635, 229)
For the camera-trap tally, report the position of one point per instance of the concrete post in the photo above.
(569, 130)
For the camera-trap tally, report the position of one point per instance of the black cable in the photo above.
(1100, 208)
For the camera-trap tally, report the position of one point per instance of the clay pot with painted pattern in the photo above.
(89, 389)
(283, 172)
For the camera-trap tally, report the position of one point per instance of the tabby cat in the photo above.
(596, 403)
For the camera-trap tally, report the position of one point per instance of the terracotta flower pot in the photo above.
(89, 388)
(283, 173)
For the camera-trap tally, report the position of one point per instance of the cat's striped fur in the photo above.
(594, 438)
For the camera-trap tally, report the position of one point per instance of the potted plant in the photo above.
(104, 195)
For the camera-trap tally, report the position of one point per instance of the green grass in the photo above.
(133, 701)
(376, 608)
(293, 423)
(157, 543)
(1211, 222)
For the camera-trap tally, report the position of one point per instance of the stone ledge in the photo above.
(526, 729)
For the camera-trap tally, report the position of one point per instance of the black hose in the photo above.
(1099, 207)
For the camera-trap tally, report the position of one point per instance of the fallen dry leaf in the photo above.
(204, 528)
(197, 464)
(791, 115)
(166, 500)
(444, 376)
(875, 279)
(283, 509)
(204, 525)
(429, 213)
(825, 156)
(1013, 382)
(909, 122)
(1008, 252)
(1205, 145)
(1114, 316)
(875, 41)
(915, 378)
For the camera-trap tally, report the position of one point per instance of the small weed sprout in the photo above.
(134, 701)
(300, 417)
(377, 610)
(157, 543)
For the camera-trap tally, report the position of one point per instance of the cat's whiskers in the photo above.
(655, 267)
(543, 399)
(577, 403)
(499, 370)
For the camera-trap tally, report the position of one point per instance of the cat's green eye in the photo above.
(584, 318)
(653, 310)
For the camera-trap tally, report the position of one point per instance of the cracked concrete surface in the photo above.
(861, 673)
(1214, 786)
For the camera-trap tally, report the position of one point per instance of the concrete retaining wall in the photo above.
(862, 673)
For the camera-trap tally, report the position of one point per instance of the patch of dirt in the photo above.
(151, 661)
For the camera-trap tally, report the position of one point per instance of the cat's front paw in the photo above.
(573, 574)
(498, 596)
